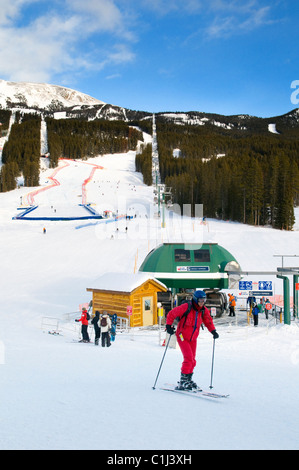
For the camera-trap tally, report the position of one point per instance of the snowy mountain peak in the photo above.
(41, 95)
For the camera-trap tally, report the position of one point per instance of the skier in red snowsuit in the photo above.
(84, 328)
(187, 333)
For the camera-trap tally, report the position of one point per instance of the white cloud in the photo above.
(73, 36)
(10, 10)
(217, 18)
(113, 76)
(52, 43)
(102, 15)
(164, 7)
(237, 17)
(121, 54)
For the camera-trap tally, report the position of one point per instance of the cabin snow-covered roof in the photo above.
(123, 282)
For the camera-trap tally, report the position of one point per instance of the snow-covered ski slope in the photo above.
(67, 200)
(57, 394)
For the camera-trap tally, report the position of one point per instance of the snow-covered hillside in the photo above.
(60, 394)
(42, 95)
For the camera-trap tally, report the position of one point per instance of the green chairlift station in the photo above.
(190, 266)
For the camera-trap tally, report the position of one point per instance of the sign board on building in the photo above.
(260, 285)
(129, 310)
(260, 293)
(192, 269)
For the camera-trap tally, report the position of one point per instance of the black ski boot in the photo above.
(194, 385)
(184, 383)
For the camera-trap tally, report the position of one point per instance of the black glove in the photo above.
(215, 334)
(170, 329)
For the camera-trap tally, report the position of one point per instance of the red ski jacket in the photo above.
(189, 327)
(83, 319)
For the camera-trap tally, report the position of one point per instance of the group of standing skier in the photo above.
(104, 328)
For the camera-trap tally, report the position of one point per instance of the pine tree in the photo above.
(284, 214)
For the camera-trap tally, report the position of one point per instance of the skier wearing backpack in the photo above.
(84, 328)
(96, 324)
(105, 327)
(187, 333)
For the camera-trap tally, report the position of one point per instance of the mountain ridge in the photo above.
(62, 102)
(41, 95)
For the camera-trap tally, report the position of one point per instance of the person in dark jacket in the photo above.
(187, 333)
(250, 301)
(97, 329)
(255, 313)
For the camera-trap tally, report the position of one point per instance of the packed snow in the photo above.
(272, 128)
(57, 393)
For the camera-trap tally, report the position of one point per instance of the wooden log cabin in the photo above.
(115, 292)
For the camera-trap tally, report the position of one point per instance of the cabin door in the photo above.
(148, 311)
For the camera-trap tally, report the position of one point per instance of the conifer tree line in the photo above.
(67, 138)
(143, 163)
(21, 153)
(74, 138)
(254, 181)
(5, 115)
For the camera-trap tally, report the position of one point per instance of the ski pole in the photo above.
(154, 387)
(212, 369)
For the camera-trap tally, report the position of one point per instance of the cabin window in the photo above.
(181, 255)
(202, 256)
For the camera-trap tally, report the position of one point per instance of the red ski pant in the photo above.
(188, 349)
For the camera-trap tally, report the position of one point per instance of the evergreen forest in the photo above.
(143, 163)
(250, 177)
(82, 139)
(21, 152)
(246, 175)
(67, 138)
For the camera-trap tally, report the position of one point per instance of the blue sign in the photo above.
(265, 285)
(262, 285)
(245, 285)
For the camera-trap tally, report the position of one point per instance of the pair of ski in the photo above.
(194, 393)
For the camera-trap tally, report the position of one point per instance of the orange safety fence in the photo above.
(278, 300)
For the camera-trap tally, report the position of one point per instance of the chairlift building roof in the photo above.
(191, 266)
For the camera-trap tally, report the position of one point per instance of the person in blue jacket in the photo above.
(255, 312)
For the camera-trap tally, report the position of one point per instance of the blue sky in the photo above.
(220, 56)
